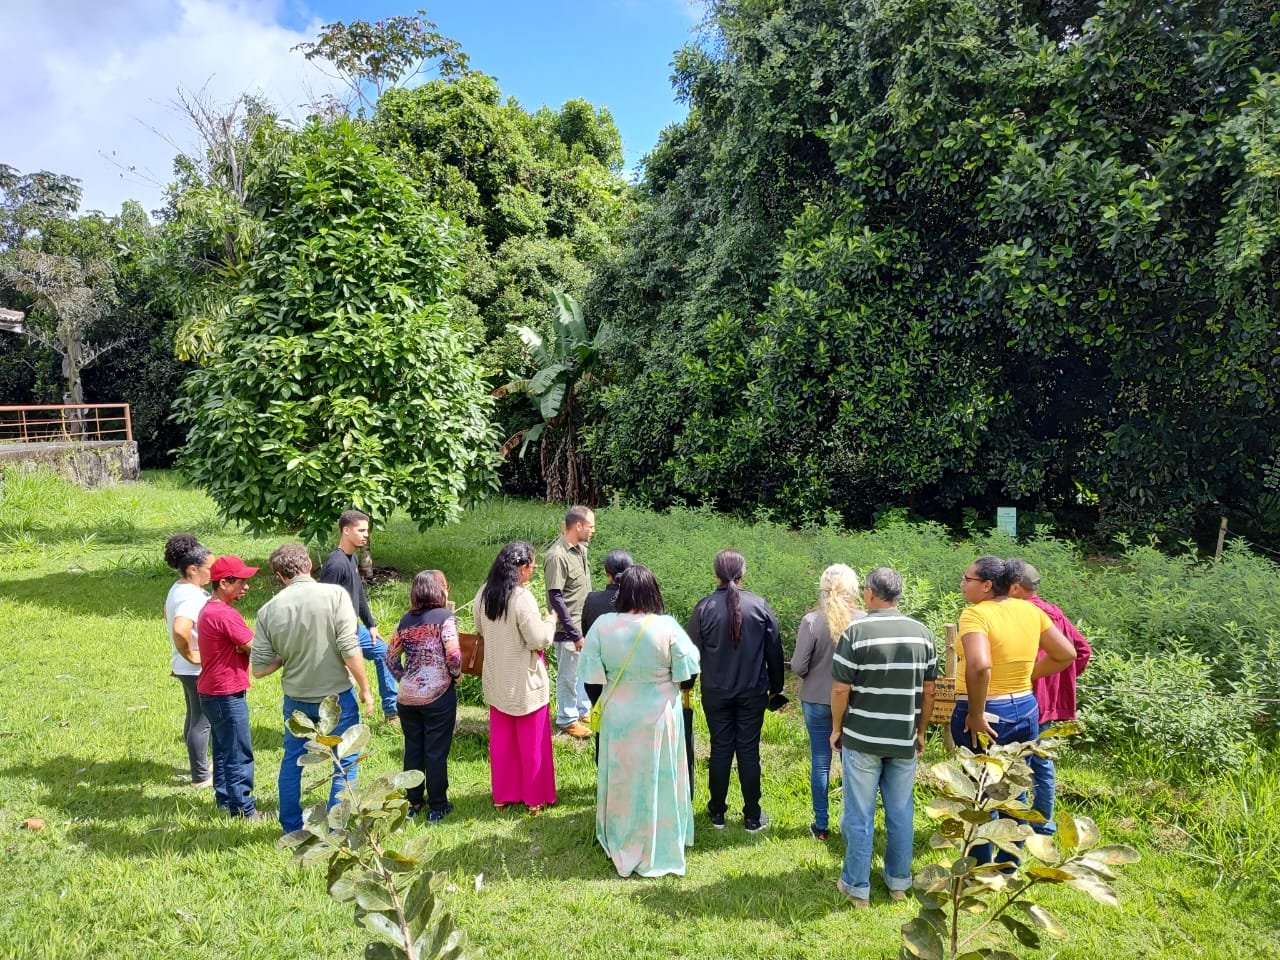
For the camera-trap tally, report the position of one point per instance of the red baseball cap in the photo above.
(230, 566)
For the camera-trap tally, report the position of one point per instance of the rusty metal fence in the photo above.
(66, 423)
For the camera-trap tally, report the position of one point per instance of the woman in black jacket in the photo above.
(737, 635)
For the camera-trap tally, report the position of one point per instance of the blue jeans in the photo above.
(1019, 721)
(375, 651)
(817, 720)
(571, 694)
(894, 779)
(1042, 787)
(289, 784)
(232, 751)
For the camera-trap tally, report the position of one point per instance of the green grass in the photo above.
(132, 863)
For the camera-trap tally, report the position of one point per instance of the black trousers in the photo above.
(428, 735)
(735, 724)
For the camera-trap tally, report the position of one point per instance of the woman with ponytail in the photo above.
(815, 644)
(740, 648)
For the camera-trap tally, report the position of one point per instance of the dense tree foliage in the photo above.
(339, 378)
(960, 251)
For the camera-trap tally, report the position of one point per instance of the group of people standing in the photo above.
(625, 671)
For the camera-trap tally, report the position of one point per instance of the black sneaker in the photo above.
(435, 816)
(819, 833)
(717, 820)
(756, 824)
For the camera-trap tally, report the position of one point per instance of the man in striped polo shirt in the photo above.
(883, 675)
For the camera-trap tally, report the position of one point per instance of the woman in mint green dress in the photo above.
(638, 657)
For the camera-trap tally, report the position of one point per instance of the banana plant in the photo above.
(564, 363)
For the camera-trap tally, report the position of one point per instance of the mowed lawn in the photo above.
(133, 863)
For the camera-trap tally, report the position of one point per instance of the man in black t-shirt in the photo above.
(341, 568)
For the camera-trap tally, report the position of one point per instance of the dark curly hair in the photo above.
(183, 551)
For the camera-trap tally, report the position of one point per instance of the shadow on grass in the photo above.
(130, 808)
(94, 593)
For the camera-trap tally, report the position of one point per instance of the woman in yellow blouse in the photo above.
(1000, 638)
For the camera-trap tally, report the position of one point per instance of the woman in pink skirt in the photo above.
(515, 681)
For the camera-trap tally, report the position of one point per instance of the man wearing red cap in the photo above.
(225, 641)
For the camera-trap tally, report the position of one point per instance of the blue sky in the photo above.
(99, 80)
(615, 53)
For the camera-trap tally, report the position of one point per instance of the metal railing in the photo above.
(66, 423)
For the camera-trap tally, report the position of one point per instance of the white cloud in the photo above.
(90, 84)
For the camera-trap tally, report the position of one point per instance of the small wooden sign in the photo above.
(944, 700)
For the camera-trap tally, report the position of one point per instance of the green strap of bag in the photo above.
(597, 708)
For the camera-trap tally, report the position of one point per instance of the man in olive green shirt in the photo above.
(568, 581)
(308, 630)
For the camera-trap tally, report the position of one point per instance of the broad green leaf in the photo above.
(954, 781)
(353, 740)
(1115, 853)
(1052, 874)
(1044, 848)
(371, 895)
(1024, 934)
(1043, 919)
(1067, 834)
(299, 724)
(939, 807)
(330, 714)
(1088, 832)
(377, 950)
(384, 927)
(922, 940)
(1100, 891)
(932, 878)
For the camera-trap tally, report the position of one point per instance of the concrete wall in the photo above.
(88, 464)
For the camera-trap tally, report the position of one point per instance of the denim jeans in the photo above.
(817, 720)
(893, 778)
(290, 781)
(428, 735)
(375, 651)
(1042, 787)
(571, 695)
(1018, 721)
(232, 751)
(734, 724)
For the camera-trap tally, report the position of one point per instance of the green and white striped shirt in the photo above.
(885, 658)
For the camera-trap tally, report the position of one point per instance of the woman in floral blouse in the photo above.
(425, 657)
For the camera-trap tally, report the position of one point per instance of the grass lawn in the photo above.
(133, 863)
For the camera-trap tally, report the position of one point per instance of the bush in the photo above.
(1169, 703)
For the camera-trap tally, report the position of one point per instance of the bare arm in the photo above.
(355, 666)
(926, 711)
(839, 704)
(977, 677)
(182, 639)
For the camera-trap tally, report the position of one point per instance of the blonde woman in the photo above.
(815, 643)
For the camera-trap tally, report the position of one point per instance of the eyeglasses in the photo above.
(965, 576)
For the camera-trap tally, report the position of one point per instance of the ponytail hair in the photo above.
(837, 598)
(730, 567)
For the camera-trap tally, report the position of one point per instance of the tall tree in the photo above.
(342, 379)
(993, 251)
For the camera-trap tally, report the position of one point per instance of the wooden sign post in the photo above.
(944, 691)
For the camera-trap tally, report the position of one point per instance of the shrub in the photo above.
(1167, 702)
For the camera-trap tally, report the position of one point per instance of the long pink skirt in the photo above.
(520, 763)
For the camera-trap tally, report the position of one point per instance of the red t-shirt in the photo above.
(223, 668)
